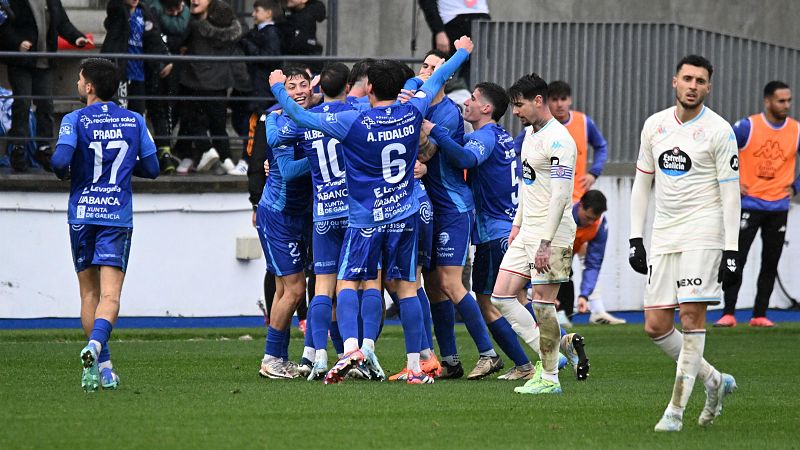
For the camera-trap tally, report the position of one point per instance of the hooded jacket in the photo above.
(205, 38)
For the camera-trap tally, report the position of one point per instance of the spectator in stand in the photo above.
(300, 29)
(34, 26)
(131, 27)
(173, 19)
(448, 21)
(213, 31)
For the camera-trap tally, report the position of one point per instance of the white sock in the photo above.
(350, 345)
(596, 306)
(549, 338)
(106, 365)
(520, 319)
(490, 353)
(321, 355)
(268, 358)
(412, 363)
(426, 354)
(97, 346)
(671, 344)
(309, 353)
(368, 344)
(688, 366)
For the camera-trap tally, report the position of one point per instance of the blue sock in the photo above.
(320, 315)
(285, 345)
(336, 338)
(101, 332)
(371, 312)
(308, 339)
(444, 322)
(425, 305)
(274, 344)
(529, 307)
(505, 337)
(471, 313)
(411, 319)
(105, 354)
(360, 318)
(347, 313)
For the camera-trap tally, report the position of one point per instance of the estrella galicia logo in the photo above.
(425, 213)
(674, 162)
(322, 227)
(444, 238)
(735, 163)
(528, 174)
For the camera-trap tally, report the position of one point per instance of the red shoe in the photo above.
(762, 322)
(431, 366)
(727, 321)
(302, 326)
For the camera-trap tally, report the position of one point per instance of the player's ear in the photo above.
(674, 81)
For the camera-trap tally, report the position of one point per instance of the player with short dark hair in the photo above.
(99, 148)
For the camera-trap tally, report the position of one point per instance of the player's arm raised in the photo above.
(640, 197)
(426, 93)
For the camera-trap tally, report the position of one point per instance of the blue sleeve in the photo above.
(146, 145)
(333, 124)
(147, 167)
(600, 146)
(518, 141)
(412, 84)
(742, 131)
(595, 251)
(422, 99)
(289, 167)
(280, 130)
(61, 159)
(472, 154)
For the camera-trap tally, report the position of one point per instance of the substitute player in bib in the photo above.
(768, 144)
(99, 147)
(382, 145)
(540, 241)
(690, 153)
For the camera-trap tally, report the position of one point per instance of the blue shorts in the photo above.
(425, 233)
(327, 244)
(284, 239)
(486, 264)
(100, 245)
(451, 238)
(392, 246)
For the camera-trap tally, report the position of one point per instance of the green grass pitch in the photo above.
(200, 389)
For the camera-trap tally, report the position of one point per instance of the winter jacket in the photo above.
(263, 42)
(303, 37)
(23, 28)
(118, 30)
(203, 38)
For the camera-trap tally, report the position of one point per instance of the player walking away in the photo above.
(283, 220)
(540, 241)
(453, 221)
(690, 152)
(585, 133)
(99, 147)
(494, 173)
(323, 157)
(590, 246)
(768, 143)
(381, 148)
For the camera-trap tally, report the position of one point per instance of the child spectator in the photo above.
(301, 24)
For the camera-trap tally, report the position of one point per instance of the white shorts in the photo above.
(683, 277)
(520, 256)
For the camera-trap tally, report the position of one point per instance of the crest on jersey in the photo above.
(388, 111)
(699, 134)
(326, 108)
(674, 162)
(104, 108)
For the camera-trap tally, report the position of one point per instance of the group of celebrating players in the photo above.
(385, 166)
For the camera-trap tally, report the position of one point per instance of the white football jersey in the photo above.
(548, 153)
(689, 161)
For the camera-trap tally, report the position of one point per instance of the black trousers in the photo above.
(773, 232)
(566, 296)
(31, 81)
(206, 116)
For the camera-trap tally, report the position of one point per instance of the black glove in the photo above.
(729, 272)
(638, 256)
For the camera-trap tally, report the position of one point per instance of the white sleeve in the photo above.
(642, 183)
(560, 195)
(727, 161)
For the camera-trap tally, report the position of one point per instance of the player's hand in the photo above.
(542, 260)
(743, 189)
(254, 219)
(427, 126)
(729, 272)
(583, 304)
(82, 41)
(315, 81)
(588, 181)
(420, 170)
(276, 76)
(24, 46)
(513, 234)
(266, 167)
(405, 95)
(464, 42)
(164, 73)
(638, 256)
(442, 42)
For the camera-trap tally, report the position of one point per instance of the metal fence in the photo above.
(621, 73)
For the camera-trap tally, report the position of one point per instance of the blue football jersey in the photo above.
(494, 182)
(107, 140)
(445, 183)
(290, 197)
